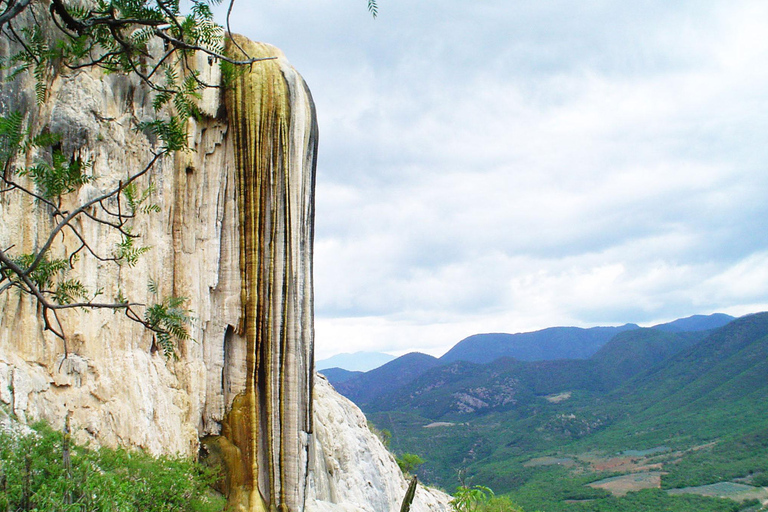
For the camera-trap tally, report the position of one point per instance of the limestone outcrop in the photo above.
(352, 470)
(233, 234)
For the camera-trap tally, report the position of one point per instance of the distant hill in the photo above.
(618, 353)
(696, 323)
(645, 388)
(363, 388)
(710, 380)
(338, 374)
(462, 390)
(358, 361)
(633, 352)
(546, 344)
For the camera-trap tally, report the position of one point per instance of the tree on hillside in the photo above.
(150, 39)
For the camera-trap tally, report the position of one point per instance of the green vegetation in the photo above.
(656, 410)
(471, 499)
(648, 500)
(43, 470)
(744, 457)
(408, 462)
(481, 499)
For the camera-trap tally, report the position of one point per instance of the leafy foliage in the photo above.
(44, 470)
(136, 200)
(373, 8)
(62, 176)
(126, 251)
(44, 273)
(168, 320)
(408, 462)
(471, 499)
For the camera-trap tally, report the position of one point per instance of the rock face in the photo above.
(352, 470)
(268, 429)
(233, 234)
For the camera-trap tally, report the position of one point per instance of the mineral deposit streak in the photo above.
(269, 426)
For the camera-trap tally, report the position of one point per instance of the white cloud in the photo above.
(507, 166)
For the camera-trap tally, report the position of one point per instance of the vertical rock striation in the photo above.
(275, 139)
(233, 234)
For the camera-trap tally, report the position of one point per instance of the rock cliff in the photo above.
(233, 234)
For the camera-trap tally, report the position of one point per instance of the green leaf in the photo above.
(126, 252)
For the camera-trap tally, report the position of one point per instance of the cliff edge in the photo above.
(233, 234)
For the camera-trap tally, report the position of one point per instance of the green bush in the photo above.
(408, 462)
(501, 504)
(42, 470)
(471, 499)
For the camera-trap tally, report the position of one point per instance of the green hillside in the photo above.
(653, 410)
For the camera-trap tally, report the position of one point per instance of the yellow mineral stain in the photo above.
(256, 445)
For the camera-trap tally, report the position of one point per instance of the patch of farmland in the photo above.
(550, 461)
(730, 490)
(621, 485)
(645, 453)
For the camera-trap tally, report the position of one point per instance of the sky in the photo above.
(511, 165)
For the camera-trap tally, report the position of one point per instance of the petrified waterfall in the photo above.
(234, 235)
(268, 428)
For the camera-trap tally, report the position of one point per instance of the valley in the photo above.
(664, 416)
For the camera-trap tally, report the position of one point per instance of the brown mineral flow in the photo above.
(267, 431)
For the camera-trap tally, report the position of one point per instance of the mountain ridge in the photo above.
(557, 343)
(647, 388)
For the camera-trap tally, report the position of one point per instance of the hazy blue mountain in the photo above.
(393, 375)
(696, 323)
(358, 361)
(335, 375)
(645, 388)
(547, 344)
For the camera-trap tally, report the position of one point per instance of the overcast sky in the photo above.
(505, 165)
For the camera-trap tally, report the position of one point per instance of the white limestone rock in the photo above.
(352, 468)
(115, 388)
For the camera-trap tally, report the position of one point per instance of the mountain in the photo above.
(551, 343)
(462, 390)
(696, 323)
(718, 380)
(697, 396)
(357, 361)
(617, 353)
(393, 375)
(632, 352)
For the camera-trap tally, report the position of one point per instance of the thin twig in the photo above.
(186, 46)
(13, 11)
(229, 29)
(82, 208)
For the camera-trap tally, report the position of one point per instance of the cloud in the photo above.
(510, 166)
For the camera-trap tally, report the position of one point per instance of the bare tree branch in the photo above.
(82, 208)
(13, 10)
(186, 46)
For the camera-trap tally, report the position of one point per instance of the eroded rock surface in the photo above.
(245, 377)
(352, 469)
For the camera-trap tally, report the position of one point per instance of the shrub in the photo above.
(42, 470)
(408, 462)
